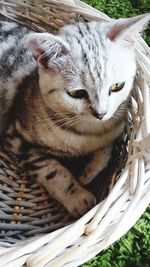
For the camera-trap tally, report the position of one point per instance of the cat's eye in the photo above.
(78, 93)
(117, 87)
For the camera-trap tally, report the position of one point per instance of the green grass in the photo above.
(133, 249)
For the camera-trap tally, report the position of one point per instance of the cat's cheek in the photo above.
(78, 106)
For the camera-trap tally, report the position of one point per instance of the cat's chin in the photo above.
(90, 126)
(96, 126)
(98, 121)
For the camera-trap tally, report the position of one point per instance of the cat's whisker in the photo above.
(65, 124)
(124, 109)
(116, 117)
(72, 124)
(56, 118)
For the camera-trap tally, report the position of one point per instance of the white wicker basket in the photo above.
(78, 242)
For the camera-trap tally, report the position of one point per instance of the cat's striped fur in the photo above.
(16, 62)
(46, 124)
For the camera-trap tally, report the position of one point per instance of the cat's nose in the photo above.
(99, 116)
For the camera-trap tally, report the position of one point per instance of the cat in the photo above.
(65, 97)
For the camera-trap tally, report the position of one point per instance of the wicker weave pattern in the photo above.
(109, 220)
(25, 207)
(48, 15)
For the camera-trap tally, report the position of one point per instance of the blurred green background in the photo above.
(133, 249)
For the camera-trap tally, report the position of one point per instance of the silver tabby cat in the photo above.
(65, 96)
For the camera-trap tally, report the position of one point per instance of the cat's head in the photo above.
(87, 71)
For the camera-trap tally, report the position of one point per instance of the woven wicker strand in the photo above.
(79, 241)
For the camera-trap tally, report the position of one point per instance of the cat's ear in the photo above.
(46, 48)
(126, 29)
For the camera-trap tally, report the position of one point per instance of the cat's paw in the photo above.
(81, 203)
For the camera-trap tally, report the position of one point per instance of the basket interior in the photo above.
(26, 209)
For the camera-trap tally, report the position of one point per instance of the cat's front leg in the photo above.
(63, 187)
(98, 162)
